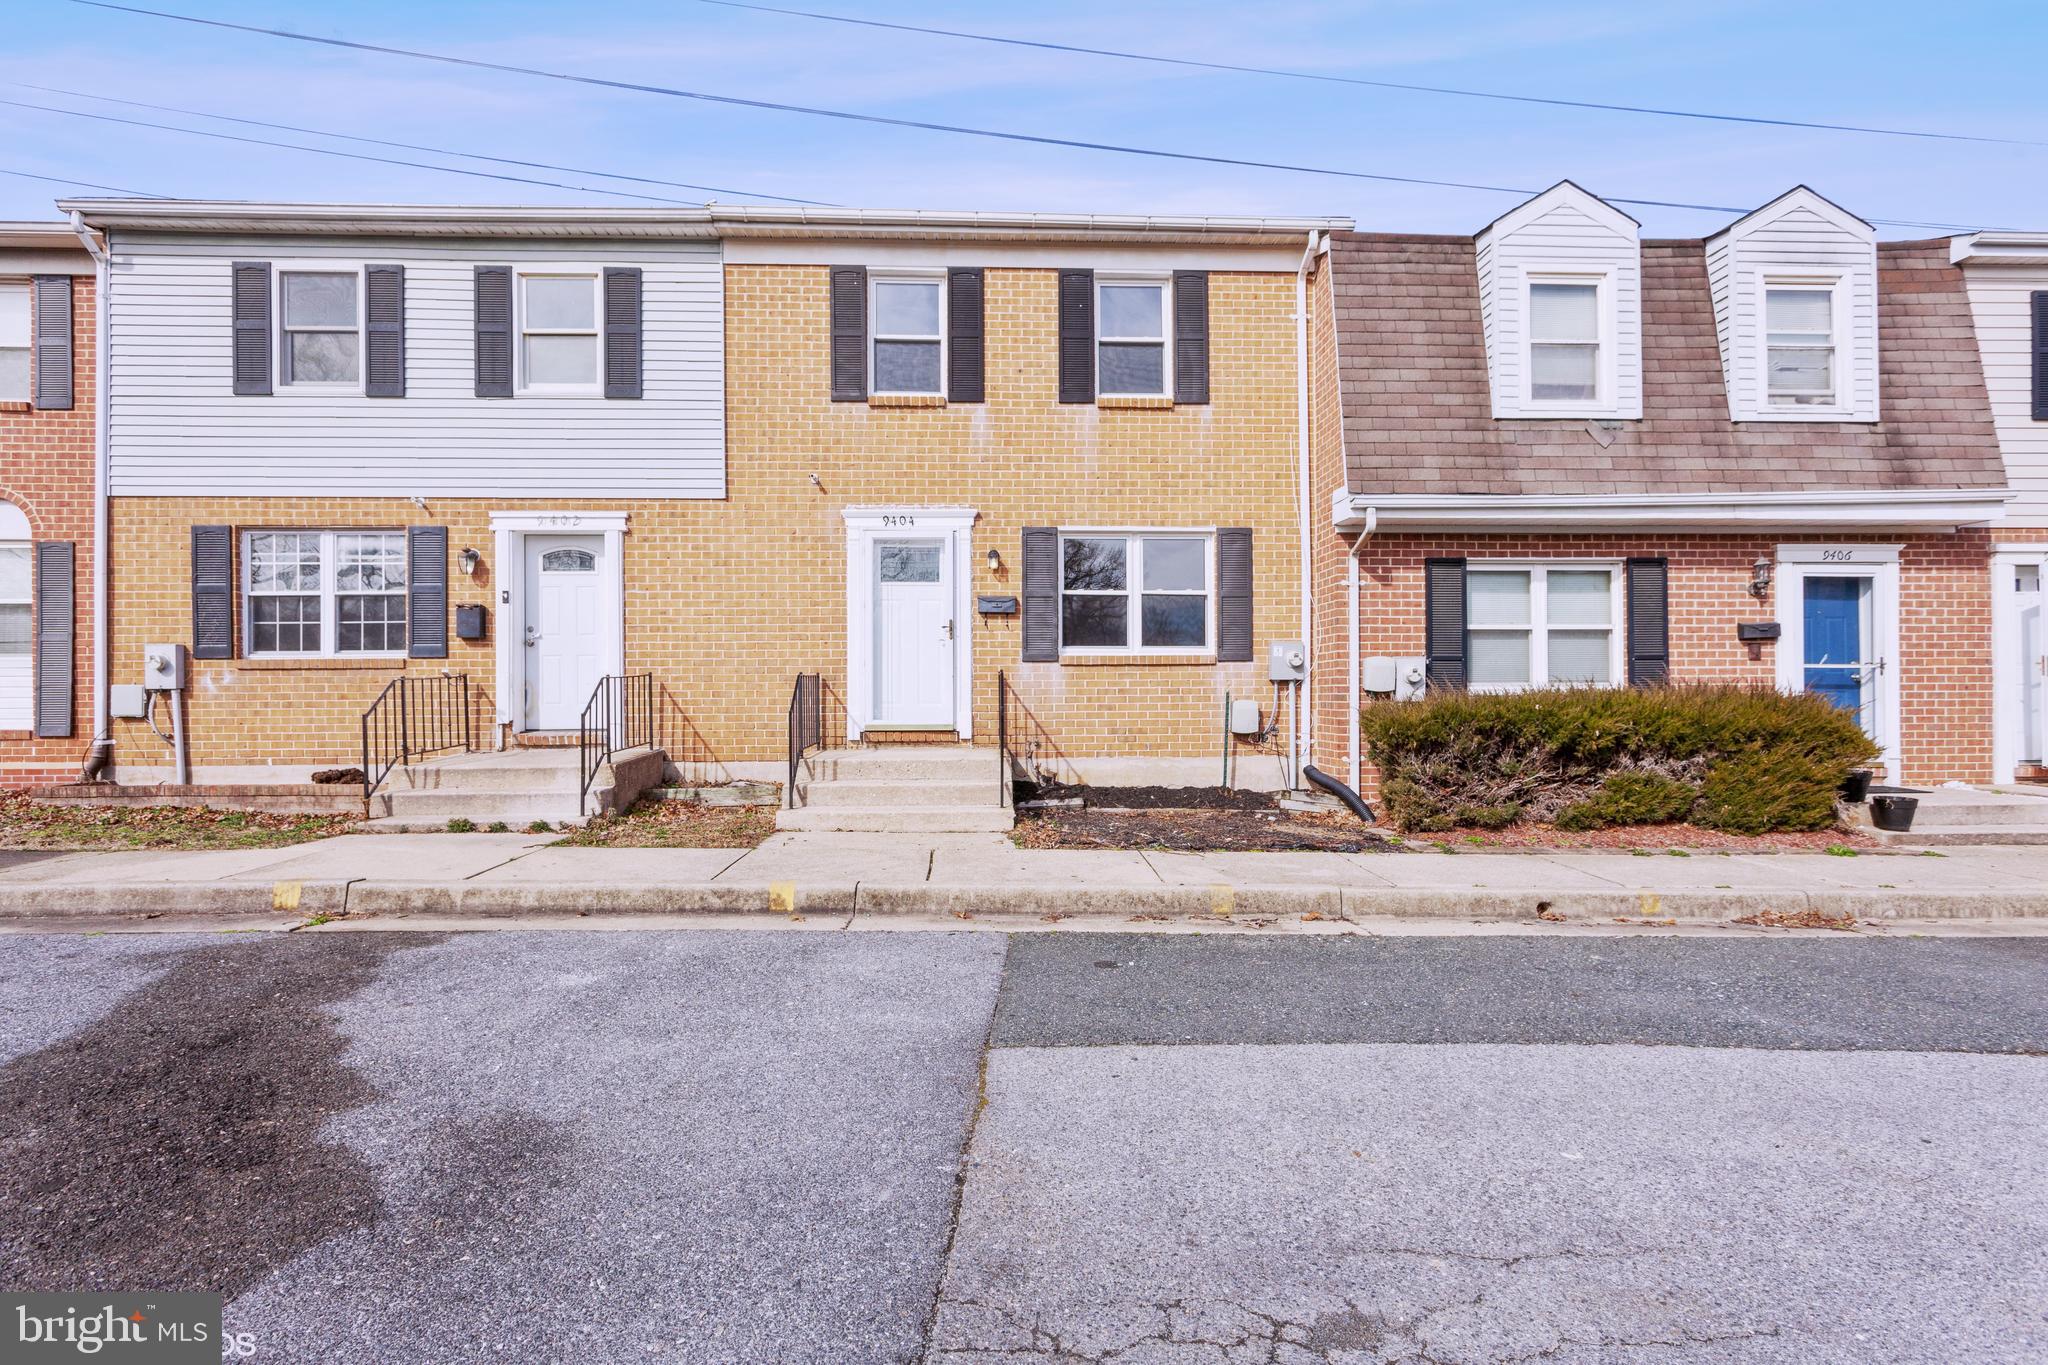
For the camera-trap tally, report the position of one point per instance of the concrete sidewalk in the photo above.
(974, 876)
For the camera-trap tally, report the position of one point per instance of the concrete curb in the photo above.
(69, 900)
(513, 899)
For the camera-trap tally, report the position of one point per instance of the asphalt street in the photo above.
(986, 1149)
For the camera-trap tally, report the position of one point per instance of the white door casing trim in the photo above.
(1881, 564)
(865, 526)
(508, 568)
(2006, 697)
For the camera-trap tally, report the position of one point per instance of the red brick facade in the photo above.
(46, 470)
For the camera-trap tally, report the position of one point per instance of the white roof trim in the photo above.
(1564, 192)
(1999, 248)
(1927, 508)
(1799, 196)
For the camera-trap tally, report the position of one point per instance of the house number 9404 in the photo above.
(899, 521)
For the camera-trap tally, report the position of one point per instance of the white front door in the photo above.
(914, 629)
(568, 629)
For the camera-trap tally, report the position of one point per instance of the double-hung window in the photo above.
(1564, 341)
(1130, 338)
(320, 314)
(325, 592)
(908, 335)
(1799, 328)
(1542, 625)
(1135, 593)
(14, 343)
(558, 333)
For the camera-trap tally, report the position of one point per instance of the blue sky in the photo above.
(1899, 65)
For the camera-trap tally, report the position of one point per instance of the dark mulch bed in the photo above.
(1149, 798)
(1197, 831)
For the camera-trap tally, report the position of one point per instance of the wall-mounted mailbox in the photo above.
(469, 623)
(996, 606)
(1751, 631)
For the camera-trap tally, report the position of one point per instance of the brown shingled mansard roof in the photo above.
(1418, 412)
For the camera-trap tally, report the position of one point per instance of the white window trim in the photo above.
(1134, 592)
(1836, 283)
(864, 527)
(520, 275)
(330, 615)
(279, 334)
(875, 334)
(1606, 368)
(2007, 699)
(28, 340)
(1539, 627)
(1881, 564)
(1164, 283)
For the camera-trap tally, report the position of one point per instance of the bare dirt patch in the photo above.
(678, 824)
(26, 824)
(1151, 798)
(1197, 831)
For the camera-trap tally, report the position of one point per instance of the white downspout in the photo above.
(1372, 523)
(100, 754)
(1302, 708)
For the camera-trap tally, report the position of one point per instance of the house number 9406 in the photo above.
(899, 521)
(1837, 556)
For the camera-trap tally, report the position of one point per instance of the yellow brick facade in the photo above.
(726, 601)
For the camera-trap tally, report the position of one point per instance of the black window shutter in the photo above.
(849, 334)
(1041, 595)
(2040, 314)
(622, 349)
(1649, 621)
(213, 592)
(1233, 595)
(384, 318)
(426, 569)
(1190, 336)
(53, 347)
(965, 380)
(1077, 336)
(1444, 622)
(494, 331)
(56, 629)
(250, 302)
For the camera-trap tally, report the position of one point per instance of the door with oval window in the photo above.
(568, 630)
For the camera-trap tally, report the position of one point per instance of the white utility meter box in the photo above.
(1286, 661)
(166, 668)
(1244, 717)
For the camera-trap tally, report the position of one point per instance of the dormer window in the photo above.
(1564, 341)
(1799, 327)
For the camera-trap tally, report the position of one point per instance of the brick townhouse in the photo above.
(1556, 452)
(47, 468)
(535, 448)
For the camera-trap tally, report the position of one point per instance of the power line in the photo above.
(885, 121)
(82, 184)
(353, 156)
(1381, 85)
(411, 146)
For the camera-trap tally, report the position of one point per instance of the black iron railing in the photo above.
(1003, 737)
(806, 727)
(619, 715)
(414, 717)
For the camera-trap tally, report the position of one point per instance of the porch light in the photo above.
(995, 560)
(468, 562)
(1760, 579)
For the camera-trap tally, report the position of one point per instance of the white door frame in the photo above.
(865, 526)
(1880, 563)
(510, 530)
(2006, 697)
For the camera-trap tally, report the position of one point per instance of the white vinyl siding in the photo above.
(2000, 300)
(177, 429)
(1562, 237)
(1798, 239)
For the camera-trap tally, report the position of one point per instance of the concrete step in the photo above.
(897, 819)
(1945, 813)
(516, 808)
(913, 763)
(1963, 835)
(503, 777)
(893, 793)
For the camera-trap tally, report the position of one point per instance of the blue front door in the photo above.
(1838, 631)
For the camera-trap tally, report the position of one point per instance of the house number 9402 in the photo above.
(899, 521)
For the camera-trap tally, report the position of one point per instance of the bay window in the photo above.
(323, 593)
(1130, 341)
(1135, 593)
(1542, 625)
(1799, 327)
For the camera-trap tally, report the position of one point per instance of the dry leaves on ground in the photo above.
(1799, 919)
(40, 825)
(678, 824)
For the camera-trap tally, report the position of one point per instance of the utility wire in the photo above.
(1381, 85)
(82, 184)
(884, 121)
(353, 156)
(411, 146)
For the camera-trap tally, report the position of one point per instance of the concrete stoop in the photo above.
(911, 789)
(515, 788)
(1950, 816)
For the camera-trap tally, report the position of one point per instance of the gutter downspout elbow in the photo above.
(1372, 524)
(99, 756)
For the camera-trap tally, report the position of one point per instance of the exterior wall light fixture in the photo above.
(469, 561)
(1760, 579)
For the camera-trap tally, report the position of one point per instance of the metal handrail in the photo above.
(412, 718)
(806, 727)
(618, 716)
(1003, 774)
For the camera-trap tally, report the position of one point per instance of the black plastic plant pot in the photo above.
(1894, 813)
(1856, 786)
